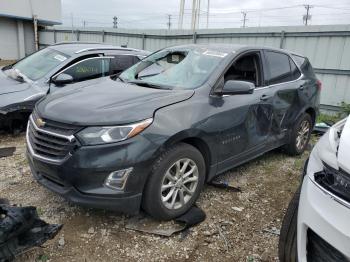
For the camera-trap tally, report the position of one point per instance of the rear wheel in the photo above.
(300, 135)
(175, 183)
(287, 247)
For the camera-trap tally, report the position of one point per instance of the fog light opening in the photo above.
(117, 179)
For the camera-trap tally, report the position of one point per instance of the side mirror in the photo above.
(235, 87)
(62, 79)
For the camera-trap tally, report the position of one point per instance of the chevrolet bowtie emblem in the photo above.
(39, 122)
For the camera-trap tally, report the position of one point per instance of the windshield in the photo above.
(40, 63)
(180, 68)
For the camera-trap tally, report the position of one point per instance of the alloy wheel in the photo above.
(179, 183)
(303, 135)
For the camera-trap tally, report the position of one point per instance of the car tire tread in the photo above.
(287, 247)
(152, 204)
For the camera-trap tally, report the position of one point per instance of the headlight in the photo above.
(112, 134)
(326, 149)
(335, 181)
(323, 165)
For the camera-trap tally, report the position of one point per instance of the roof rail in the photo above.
(106, 48)
(77, 42)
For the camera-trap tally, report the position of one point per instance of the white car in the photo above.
(316, 226)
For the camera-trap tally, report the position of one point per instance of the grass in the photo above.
(328, 118)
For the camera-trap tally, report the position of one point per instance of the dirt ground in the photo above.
(237, 228)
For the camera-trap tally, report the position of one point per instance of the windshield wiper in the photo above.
(147, 84)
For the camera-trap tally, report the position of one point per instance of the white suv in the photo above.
(316, 226)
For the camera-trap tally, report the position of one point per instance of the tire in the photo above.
(154, 202)
(291, 148)
(287, 246)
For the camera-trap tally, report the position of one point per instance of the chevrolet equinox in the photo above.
(152, 137)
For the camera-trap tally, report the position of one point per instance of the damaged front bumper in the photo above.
(81, 177)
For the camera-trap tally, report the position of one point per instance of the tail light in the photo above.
(319, 85)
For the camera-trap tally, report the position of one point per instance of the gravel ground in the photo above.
(236, 228)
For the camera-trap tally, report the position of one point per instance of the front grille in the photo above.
(56, 127)
(53, 141)
(319, 250)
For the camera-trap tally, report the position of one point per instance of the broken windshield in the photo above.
(180, 68)
(38, 64)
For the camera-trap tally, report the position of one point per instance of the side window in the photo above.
(89, 69)
(122, 62)
(294, 70)
(304, 65)
(279, 66)
(247, 68)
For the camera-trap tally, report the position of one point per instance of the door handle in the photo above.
(264, 97)
(301, 87)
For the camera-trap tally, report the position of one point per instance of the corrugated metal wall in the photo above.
(327, 47)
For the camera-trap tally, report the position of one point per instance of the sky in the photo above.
(138, 14)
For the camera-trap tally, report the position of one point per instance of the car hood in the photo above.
(344, 147)
(9, 85)
(107, 103)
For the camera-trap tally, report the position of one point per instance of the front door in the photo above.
(244, 120)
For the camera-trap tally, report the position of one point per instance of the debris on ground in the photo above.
(321, 128)
(268, 183)
(273, 231)
(224, 184)
(146, 224)
(21, 229)
(7, 151)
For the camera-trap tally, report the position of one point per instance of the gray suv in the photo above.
(152, 137)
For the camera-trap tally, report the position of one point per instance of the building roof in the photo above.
(47, 12)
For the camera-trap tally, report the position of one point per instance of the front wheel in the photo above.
(175, 183)
(287, 247)
(300, 135)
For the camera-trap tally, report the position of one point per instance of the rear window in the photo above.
(281, 67)
(304, 65)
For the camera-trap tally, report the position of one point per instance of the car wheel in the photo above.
(175, 183)
(287, 247)
(300, 135)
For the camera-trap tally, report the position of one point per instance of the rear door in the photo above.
(284, 81)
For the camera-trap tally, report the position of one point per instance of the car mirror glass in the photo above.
(235, 87)
(62, 79)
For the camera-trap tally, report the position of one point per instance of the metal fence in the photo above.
(327, 47)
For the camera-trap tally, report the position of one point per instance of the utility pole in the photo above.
(307, 17)
(181, 14)
(84, 23)
(198, 12)
(244, 20)
(169, 22)
(194, 15)
(36, 35)
(71, 14)
(115, 22)
(208, 9)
